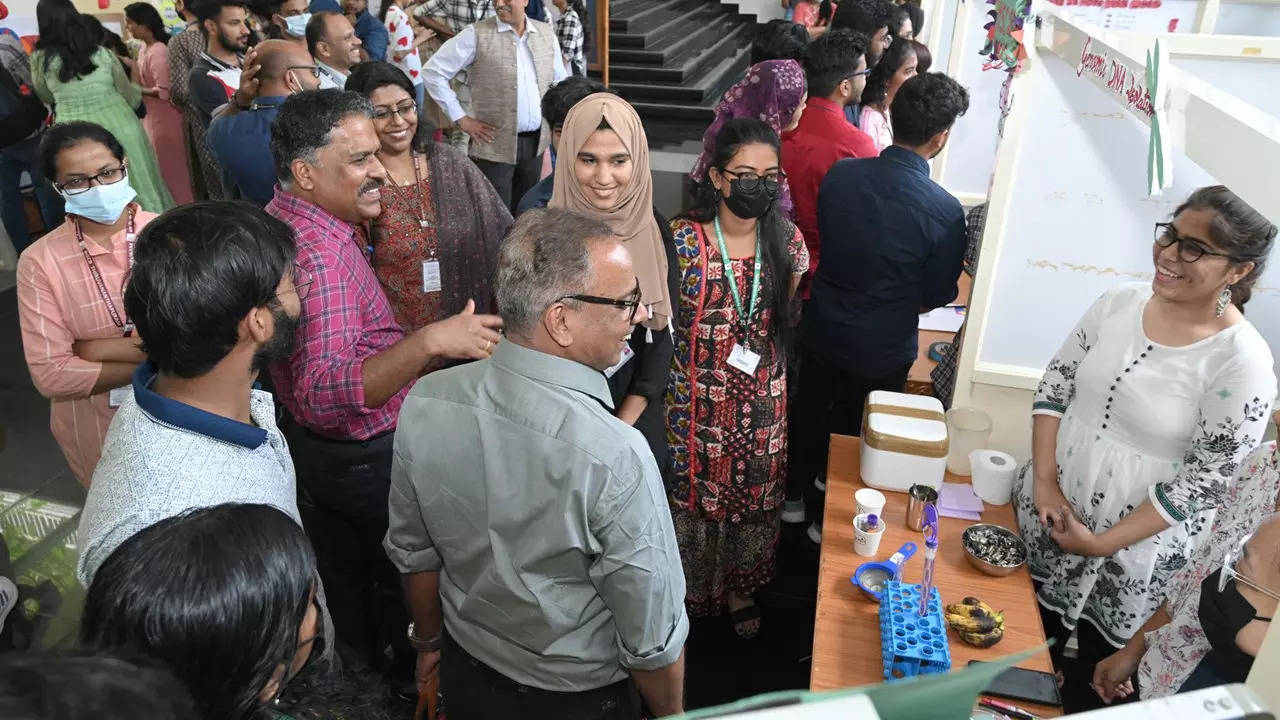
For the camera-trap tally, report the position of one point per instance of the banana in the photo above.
(976, 622)
(982, 640)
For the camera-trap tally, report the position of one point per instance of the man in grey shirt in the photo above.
(214, 296)
(526, 518)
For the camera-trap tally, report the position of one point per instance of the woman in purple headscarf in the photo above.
(773, 91)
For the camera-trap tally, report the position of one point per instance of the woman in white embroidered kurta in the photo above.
(1145, 412)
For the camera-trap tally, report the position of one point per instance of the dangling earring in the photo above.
(1224, 299)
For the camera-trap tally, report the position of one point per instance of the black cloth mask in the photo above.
(749, 204)
(1222, 616)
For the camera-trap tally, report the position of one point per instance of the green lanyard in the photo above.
(733, 284)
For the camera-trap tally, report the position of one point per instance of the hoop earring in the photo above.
(1224, 299)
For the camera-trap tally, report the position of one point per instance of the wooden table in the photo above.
(846, 635)
(919, 379)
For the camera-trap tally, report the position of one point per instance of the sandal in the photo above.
(741, 617)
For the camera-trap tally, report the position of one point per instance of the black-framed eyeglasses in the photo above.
(404, 110)
(1189, 249)
(750, 181)
(860, 73)
(302, 280)
(631, 302)
(110, 176)
(313, 69)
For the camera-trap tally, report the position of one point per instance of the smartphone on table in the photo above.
(1031, 686)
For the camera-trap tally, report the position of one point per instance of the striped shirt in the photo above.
(58, 304)
(346, 318)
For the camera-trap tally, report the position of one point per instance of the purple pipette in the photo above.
(930, 554)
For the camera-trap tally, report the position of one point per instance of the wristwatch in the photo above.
(421, 645)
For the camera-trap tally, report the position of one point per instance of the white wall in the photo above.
(764, 10)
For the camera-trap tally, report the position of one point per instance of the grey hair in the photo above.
(545, 256)
(304, 124)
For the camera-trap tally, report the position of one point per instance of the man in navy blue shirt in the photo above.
(239, 138)
(372, 33)
(892, 247)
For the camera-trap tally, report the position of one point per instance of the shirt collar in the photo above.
(307, 211)
(332, 72)
(824, 105)
(118, 239)
(504, 27)
(192, 419)
(903, 156)
(552, 370)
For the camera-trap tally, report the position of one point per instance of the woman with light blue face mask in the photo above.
(77, 338)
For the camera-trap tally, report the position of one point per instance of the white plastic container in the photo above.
(904, 441)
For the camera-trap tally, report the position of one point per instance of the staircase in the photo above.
(673, 59)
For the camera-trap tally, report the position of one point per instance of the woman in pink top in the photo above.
(163, 121)
(78, 342)
(896, 66)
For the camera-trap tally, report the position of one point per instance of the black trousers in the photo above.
(342, 493)
(476, 691)
(1091, 649)
(513, 181)
(829, 400)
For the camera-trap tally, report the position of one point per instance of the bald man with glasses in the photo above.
(240, 135)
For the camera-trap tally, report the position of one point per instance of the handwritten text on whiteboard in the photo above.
(1129, 83)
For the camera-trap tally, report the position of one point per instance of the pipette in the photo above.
(930, 530)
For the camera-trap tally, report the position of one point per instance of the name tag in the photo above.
(430, 276)
(743, 359)
(627, 354)
(116, 396)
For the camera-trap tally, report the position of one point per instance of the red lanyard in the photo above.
(116, 318)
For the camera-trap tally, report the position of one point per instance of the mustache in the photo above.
(370, 184)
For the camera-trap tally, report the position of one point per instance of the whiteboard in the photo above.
(1080, 222)
(1252, 80)
(972, 153)
(1248, 18)
(1153, 16)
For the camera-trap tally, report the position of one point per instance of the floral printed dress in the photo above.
(1174, 651)
(727, 430)
(1141, 421)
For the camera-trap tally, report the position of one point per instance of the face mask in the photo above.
(1223, 613)
(103, 204)
(749, 204)
(296, 25)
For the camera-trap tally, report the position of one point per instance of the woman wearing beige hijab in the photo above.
(602, 171)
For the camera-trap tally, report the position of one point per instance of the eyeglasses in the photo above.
(302, 279)
(860, 73)
(750, 181)
(1189, 249)
(313, 69)
(631, 302)
(110, 176)
(404, 110)
(1229, 570)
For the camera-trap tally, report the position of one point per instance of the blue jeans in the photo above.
(13, 161)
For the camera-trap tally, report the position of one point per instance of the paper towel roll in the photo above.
(993, 473)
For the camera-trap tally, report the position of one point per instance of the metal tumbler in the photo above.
(917, 497)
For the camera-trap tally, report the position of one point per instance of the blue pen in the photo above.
(930, 554)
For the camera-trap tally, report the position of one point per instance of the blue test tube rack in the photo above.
(912, 644)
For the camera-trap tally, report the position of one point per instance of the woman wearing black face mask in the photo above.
(739, 262)
(1209, 628)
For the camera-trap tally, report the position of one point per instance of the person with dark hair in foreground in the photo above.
(345, 382)
(779, 40)
(76, 335)
(556, 103)
(740, 261)
(61, 687)
(215, 296)
(225, 596)
(590, 600)
(893, 246)
(871, 18)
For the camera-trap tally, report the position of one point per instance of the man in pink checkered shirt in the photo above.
(353, 365)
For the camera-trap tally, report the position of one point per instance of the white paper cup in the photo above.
(869, 502)
(866, 543)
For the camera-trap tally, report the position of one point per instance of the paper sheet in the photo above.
(944, 319)
(958, 500)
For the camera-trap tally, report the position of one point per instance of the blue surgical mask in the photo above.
(296, 25)
(103, 204)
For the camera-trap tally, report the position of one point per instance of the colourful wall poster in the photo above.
(1004, 49)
